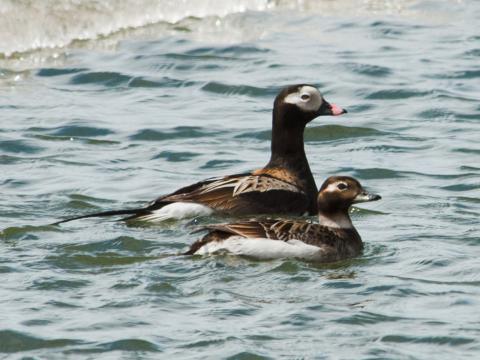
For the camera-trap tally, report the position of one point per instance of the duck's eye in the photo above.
(342, 186)
(305, 97)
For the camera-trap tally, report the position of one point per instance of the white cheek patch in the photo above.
(312, 103)
(333, 187)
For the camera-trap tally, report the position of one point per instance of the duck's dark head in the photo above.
(301, 104)
(294, 107)
(335, 197)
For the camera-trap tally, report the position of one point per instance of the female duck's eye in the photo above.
(305, 97)
(342, 186)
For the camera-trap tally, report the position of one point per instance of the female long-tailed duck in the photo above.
(333, 238)
(284, 186)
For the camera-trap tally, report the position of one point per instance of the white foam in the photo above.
(263, 249)
(47, 24)
(27, 25)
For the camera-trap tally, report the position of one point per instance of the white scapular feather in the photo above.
(177, 211)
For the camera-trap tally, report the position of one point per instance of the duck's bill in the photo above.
(366, 197)
(330, 109)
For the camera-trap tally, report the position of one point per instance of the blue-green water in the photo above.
(117, 120)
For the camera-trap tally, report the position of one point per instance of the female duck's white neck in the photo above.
(338, 220)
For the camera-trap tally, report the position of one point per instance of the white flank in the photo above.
(263, 249)
(177, 211)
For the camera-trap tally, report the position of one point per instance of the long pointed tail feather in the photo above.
(133, 212)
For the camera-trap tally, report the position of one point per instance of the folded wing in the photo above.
(241, 194)
(312, 236)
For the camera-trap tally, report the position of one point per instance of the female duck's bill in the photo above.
(333, 238)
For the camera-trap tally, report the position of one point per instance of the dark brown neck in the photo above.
(287, 147)
(288, 152)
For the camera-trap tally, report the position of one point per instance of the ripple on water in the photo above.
(15, 341)
(19, 147)
(130, 345)
(82, 202)
(175, 156)
(437, 340)
(361, 108)
(73, 131)
(472, 52)
(179, 132)
(104, 260)
(434, 113)
(322, 133)
(367, 318)
(58, 284)
(337, 132)
(368, 69)
(133, 345)
(121, 243)
(48, 72)
(122, 250)
(394, 148)
(248, 355)
(8, 159)
(462, 187)
(287, 267)
(220, 164)
(81, 205)
(163, 288)
(396, 94)
(228, 50)
(373, 173)
(217, 54)
(86, 134)
(345, 284)
(467, 151)
(104, 78)
(27, 232)
(225, 89)
(388, 30)
(144, 82)
(462, 74)
(206, 343)
(83, 131)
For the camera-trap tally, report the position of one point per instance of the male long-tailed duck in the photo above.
(333, 238)
(284, 186)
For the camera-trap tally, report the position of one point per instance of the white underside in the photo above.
(263, 248)
(178, 211)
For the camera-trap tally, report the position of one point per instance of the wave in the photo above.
(27, 25)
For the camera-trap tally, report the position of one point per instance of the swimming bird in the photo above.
(332, 239)
(284, 186)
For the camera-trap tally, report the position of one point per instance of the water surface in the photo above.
(117, 115)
